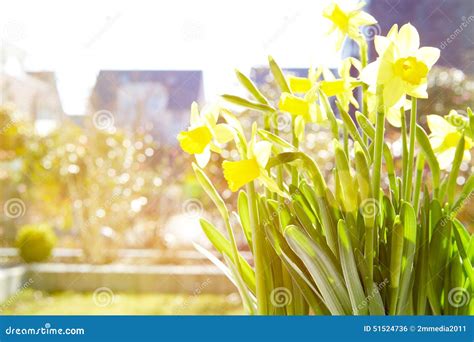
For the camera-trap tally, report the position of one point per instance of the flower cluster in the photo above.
(330, 242)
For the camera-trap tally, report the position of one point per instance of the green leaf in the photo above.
(462, 247)
(350, 125)
(349, 195)
(330, 114)
(363, 173)
(453, 174)
(349, 269)
(471, 122)
(396, 254)
(425, 145)
(296, 268)
(366, 125)
(323, 269)
(211, 191)
(252, 89)
(465, 195)
(408, 217)
(266, 135)
(243, 209)
(248, 299)
(248, 104)
(438, 260)
(299, 127)
(224, 247)
(278, 76)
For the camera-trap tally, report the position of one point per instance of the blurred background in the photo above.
(92, 96)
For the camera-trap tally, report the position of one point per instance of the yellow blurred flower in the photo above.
(346, 18)
(444, 139)
(402, 66)
(239, 173)
(303, 85)
(342, 87)
(298, 106)
(242, 172)
(204, 134)
(299, 85)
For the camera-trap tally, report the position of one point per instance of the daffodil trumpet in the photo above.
(204, 134)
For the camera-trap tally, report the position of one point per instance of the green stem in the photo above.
(258, 252)
(364, 56)
(376, 179)
(378, 150)
(404, 148)
(420, 164)
(296, 143)
(346, 141)
(411, 151)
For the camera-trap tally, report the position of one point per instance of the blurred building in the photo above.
(34, 95)
(156, 100)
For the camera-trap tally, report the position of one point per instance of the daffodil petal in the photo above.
(393, 32)
(194, 141)
(239, 173)
(195, 118)
(262, 151)
(215, 148)
(381, 44)
(332, 88)
(393, 92)
(445, 158)
(363, 19)
(294, 105)
(428, 55)
(439, 125)
(419, 91)
(203, 158)
(394, 116)
(210, 114)
(369, 74)
(408, 40)
(223, 133)
(299, 84)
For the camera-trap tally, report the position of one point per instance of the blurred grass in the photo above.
(30, 302)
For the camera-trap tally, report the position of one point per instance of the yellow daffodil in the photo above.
(402, 66)
(242, 172)
(204, 134)
(298, 106)
(342, 87)
(303, 85)
(444, 139)
(346, 18)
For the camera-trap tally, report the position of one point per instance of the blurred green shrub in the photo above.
(35, 242)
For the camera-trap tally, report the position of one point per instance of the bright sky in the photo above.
(77, 39)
